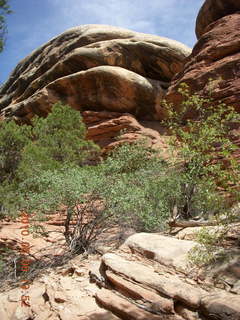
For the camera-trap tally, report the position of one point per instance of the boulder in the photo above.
(94, 67)
(167, 251)
(224, 306)
(213, 10)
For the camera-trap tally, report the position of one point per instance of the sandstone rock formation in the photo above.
(109, 129)
(212, 70)
(215, 56)
(139, 281)
(97, 68)
(213, 10)
(146, 283)
(94, 67)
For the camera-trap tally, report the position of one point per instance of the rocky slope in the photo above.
(148, 278)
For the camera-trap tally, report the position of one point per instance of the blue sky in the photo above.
(34, 22)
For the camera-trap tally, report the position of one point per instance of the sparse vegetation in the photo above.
(201, 134)
(50, 166)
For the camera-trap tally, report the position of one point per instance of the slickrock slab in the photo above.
(168, 285)
(127, 310)
(224, 306)
(137, 292)
(168, 251)
(213, 10)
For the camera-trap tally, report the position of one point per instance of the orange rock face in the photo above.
(110, 129)
(216, 56)
(213, 10)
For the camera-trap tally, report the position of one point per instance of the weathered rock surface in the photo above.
(216, 56)
(109, 129)
(153, 246)
(127, 310)
(57, 294)
(125, 285)
(138, 281)
(213, 10)
(94, 67)
(99, 88)
(167, 285)
(225, 305)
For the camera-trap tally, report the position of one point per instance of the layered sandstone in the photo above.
(215, 57)
(212, 10)
(148, 277)
(110, 129)
(94, 67)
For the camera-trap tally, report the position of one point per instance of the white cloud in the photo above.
(153, 16)
(174, 19)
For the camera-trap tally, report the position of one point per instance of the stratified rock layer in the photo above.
(141, 280)
(94, 67)
(216, 56)
(213, 10)
(110, 129)
(146, 282)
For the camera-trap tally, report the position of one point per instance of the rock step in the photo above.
(138, 293)
(127, 310)
(135, 284)
(153, 246)
(165, 284)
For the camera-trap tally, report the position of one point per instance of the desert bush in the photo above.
(13, 139)
(77, 192)
(133, 186)
(50, 143)
(205, 148)
(145, 189)
(201, 134)
(58, 140)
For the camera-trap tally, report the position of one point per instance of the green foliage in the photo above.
(13, 139)
(59, 139)
(209, 248)
(51, 143)
(4, 10)
(77, 191)
(53, 170)
(201, 134)
(138, 180)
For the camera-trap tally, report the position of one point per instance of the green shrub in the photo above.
(59, 139)
(201, 134)
(133, 186)
(77, 191)
(51, 143)
(13, 139)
